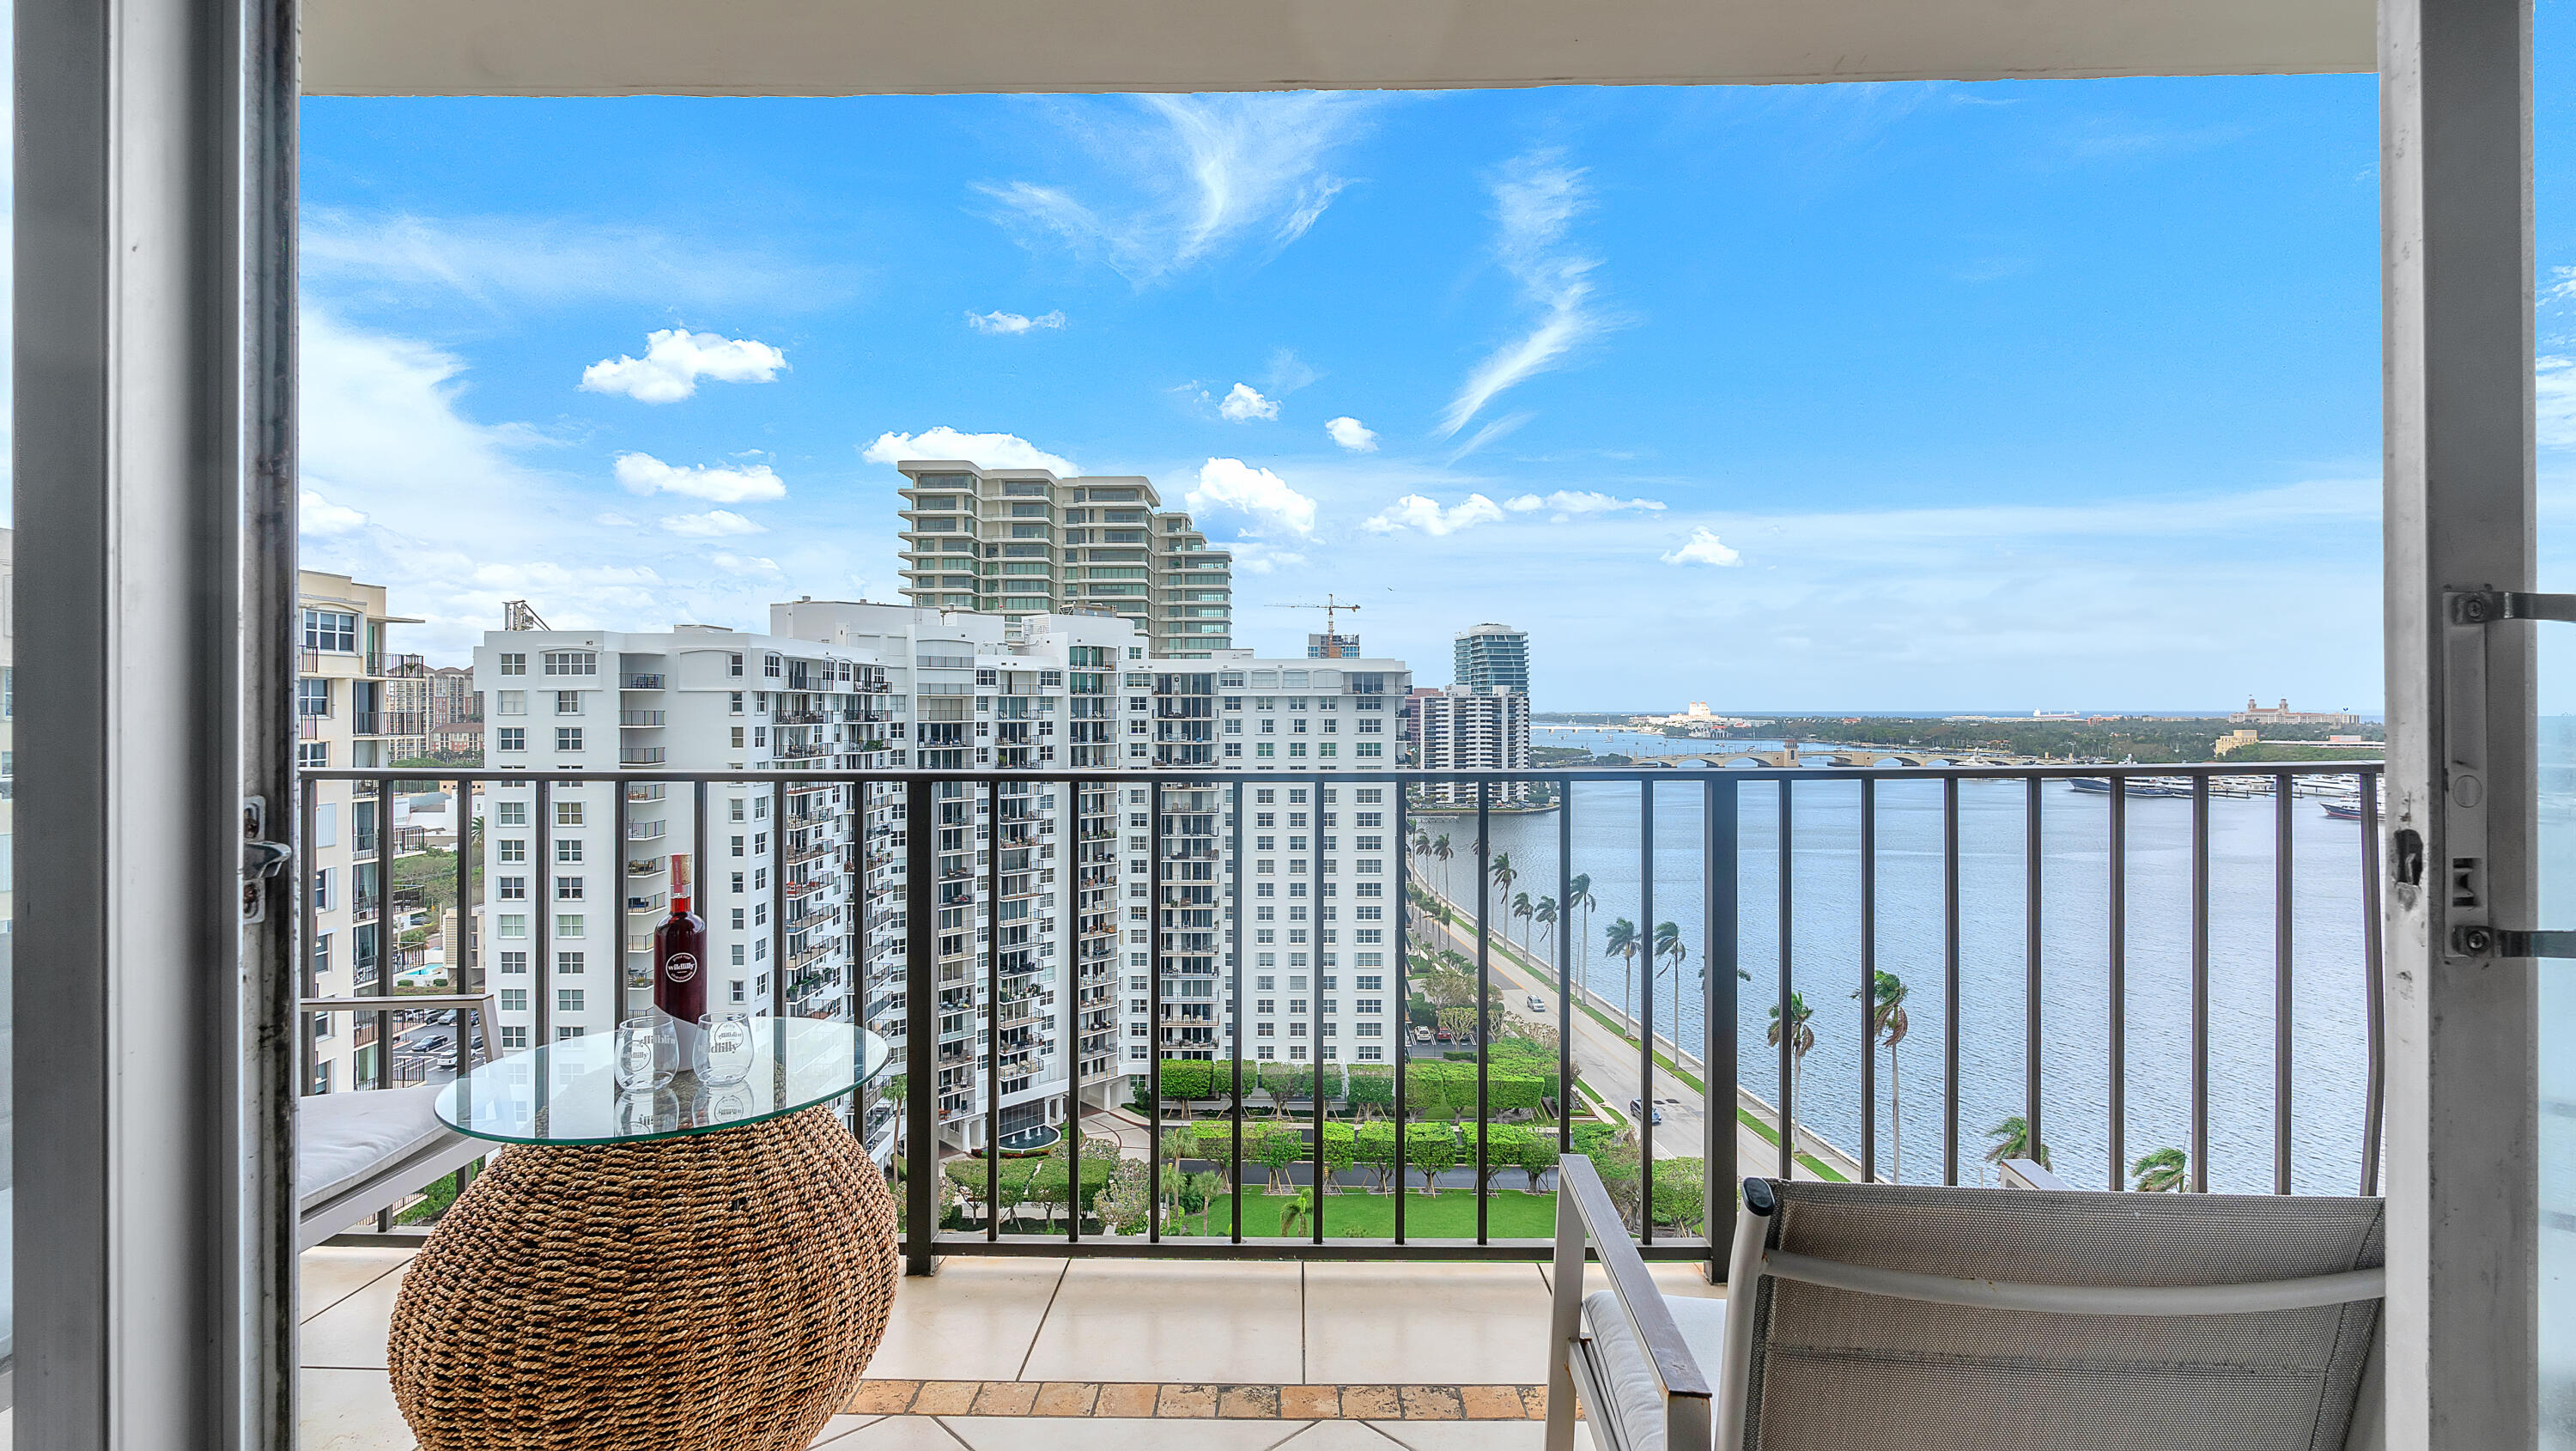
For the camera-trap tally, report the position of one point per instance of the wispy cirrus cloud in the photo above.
(1570, 502)
(405, 260)
(1193, 178)
(642, 473)
(1536, 199)
(1012, 324)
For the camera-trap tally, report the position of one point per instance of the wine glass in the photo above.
(646, 1049)
(725, 1048)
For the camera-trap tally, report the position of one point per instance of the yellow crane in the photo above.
(1332, 608)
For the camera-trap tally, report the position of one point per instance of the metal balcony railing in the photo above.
(396, 666)
(2101, 959)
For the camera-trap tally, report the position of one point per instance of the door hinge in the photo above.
(262, 860)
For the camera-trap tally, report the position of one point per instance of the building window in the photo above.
(514, 1038)
(565, 1034)
(514, 924)
(514, 962)
(567, 1000)
(567, 702)
(510, 889)
(313, 755)
(567, 738)
(313, 697)
(733, 668)
(567, 813)
(568, 849)
(568, 924)
(331, 630)
(511, 849)
(514, 664)
(514, 1000)
(510, 738)
(510, 813)
(568, 889)
(571, 662)
(510, 702)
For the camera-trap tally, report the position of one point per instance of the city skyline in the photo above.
(1897, 396)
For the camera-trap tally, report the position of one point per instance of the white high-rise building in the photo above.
(1460, 729)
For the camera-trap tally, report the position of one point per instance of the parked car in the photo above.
(1421, 1035)
(1444, 1035)
(1639, 1109)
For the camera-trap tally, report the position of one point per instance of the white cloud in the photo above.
(1232, 484)
(1203, 175)
(743, 564)
(1568, 502)
(1413, 511)
(987, 450)
(318, 515)
(1245, 404)
(614, 521)
(715, 523)
(1009, 323)
(1351, 434)
(401, 261)
(1251, 556)
(642, 473)
(1704, 548)
(1535, 201)
(673, 362)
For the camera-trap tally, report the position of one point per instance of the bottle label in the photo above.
(680, 967)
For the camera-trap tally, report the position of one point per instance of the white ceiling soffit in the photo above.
(866, 47)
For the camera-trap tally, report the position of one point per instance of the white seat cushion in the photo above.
(1628, 1377)
(341, 1138)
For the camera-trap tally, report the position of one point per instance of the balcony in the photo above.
(396, 666)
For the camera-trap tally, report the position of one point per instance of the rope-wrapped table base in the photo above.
(711, 1292)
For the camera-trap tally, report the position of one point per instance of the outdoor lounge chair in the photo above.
(361, 1152)
(1865, 1316)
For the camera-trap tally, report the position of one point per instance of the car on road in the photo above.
(1639, 1109)
(1537, 1004)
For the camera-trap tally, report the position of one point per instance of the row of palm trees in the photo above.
(2162, 1169)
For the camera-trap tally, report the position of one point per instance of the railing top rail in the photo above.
(1176, 774)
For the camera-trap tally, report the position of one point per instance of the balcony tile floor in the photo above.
(1044, 1328)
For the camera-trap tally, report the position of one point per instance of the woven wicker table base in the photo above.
(713, 1292)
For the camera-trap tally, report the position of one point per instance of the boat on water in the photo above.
(2101, 786)
(2343, 810)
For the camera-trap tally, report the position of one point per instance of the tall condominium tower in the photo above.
(1018, 542)
(1491, 657)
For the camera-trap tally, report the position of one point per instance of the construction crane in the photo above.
(1333, 639)
(519, 615)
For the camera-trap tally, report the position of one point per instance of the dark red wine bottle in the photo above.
(680, 956)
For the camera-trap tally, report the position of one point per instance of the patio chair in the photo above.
(1882, 1316)
(361, 1152)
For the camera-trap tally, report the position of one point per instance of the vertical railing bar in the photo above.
(1564, 941)
(1950, 980)
(1072, 815)
(1154, 1010)
(1403, 991)
(2374, 1006)
(2281, 984)
(385, 1026)
(467, 969)
(777, 882)
(1718, 897)
(1869, 980)
(2200, 984)
(1484, 998)
(1788, 1146)
(2032, 966)
(618, 826)
(1643, 1006)
(308, 824)
(541, 891)
(1234, 1174)
(2116, 891)
(921, 1075)
(993, 1017)
(1315, 1074)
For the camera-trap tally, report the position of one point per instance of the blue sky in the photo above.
(2030, 395)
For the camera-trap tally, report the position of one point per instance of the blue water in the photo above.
(2328, 1045)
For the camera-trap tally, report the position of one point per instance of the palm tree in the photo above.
(2162, 1171)
(1500, 869)
(1801, 1037)
(1622, 944)
(1543, 912)
(2013, 1141)
(1522, 909)
(1887, 1025)
(1578, 893)
(1668, 943)
(1441, 853)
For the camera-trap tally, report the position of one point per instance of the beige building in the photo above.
(1019, 542)
(347, 714)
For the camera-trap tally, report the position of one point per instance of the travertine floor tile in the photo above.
(1482, 1324)
(1161, 1320)
(348, 1410)
(1467, 1435)
(974, 1320)
(1014, 1434)
(351, 1334)
(327, 1274)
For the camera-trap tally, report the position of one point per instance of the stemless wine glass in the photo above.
(646, 1048)
(724, 1048)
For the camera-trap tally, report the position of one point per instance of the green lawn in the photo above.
(1514, 1214)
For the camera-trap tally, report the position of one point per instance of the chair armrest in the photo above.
(2028, 1174)
(1584, 1213)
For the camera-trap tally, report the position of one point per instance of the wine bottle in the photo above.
(680, 960)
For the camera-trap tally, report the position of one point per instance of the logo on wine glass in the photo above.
(680, 966)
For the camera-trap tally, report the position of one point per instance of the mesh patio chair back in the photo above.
(1833, 1368)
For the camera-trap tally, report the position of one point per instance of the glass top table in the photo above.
(566, 1092)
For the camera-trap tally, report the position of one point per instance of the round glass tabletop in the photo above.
(566, 1092)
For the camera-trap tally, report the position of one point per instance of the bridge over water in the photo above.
(1810, 753)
